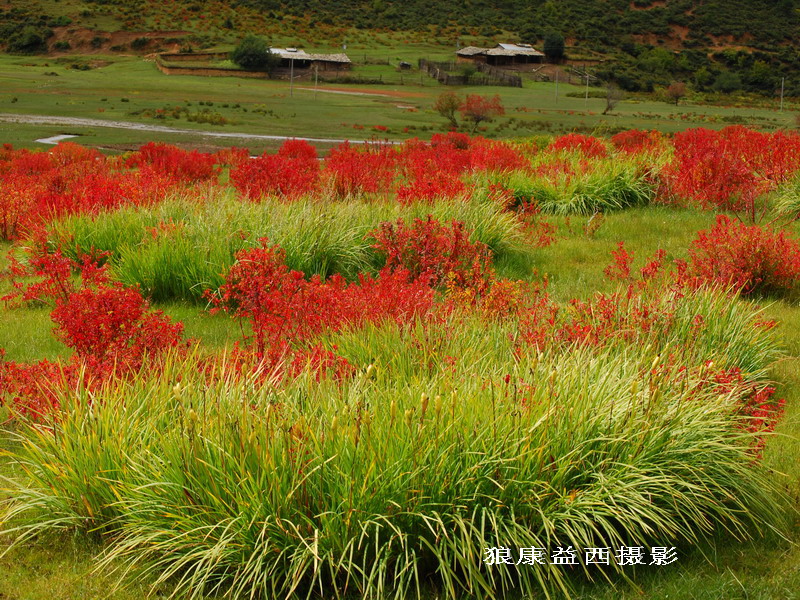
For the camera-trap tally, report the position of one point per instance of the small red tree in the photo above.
(478, 109)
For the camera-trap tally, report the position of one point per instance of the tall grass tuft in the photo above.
(393, 483)
(180, 248)
(786, 199)
(572, 186)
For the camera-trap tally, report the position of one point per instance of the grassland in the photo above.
(131, 89)
(719, 570)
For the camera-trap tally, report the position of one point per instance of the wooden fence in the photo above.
(487, 75)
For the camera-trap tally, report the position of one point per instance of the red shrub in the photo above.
(747, 257)
(32, 388)
(36, 187)
(322, 363)
(110, 328)
(431, 187)
(18, 195)
(286, 310)
(732, 168)
(634, 141)
(232, 157)
(67, 153)
(291, 173)
(621, 267)
(489, 155)
(763, 410)
(446, 155)
(351, 172)
(179, 165)
(540, 233)
(433, 253)
(590, 147)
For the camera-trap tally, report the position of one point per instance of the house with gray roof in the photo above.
(502, 55)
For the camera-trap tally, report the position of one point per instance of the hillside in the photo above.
(756, 23)
(722, 45)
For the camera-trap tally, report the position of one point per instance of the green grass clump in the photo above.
(391, 484)
(785, 201)
(197, 245)
(607, 185)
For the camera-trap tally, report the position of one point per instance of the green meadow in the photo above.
(131, 89)
(717, 568)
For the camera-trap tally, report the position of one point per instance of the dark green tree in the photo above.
(554, 46)
(727, 82)
(253, 53)
(29, 40)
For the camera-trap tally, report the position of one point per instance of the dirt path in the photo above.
(84, 122)
(53, 140)
(361, 92)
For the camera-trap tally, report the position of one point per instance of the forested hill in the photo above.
(714, 45)
(599, 24)
(691, 24)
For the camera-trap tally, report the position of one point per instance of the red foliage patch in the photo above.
(589, 146)
(732, 168)
(352, 172)
(110, 327)
(621, 267)
(635, 141)
(433, 253)
(291, 173)
(286, 310)
(747, 257)
(178, 165)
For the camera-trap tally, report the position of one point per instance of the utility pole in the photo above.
(586, 97)
(556, 86)
(316, 79)
(782, 82)
(291, 77)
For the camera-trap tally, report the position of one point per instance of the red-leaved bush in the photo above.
(634, 141)
(746, 257)
(36, 187)
(352, 172)
(286, 310)
(730, 169)
(759, 404)
(589, 146)
(291, 173)
(179, 165)
(491, 155)
(433, 253)
(621, 267)
(110, 327)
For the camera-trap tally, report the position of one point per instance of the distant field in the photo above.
(132, 89)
